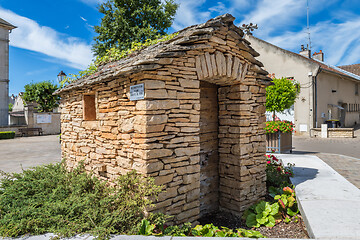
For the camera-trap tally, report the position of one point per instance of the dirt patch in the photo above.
(294, 229)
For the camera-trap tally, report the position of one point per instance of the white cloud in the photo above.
(84, 19)
(92, 2)
(270, 15)
(189, 14)
(219, 8)
(340, 42)
(30, 35)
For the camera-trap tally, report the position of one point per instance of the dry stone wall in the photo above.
(169, 135)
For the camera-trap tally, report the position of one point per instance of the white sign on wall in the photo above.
(303, 127)
(137, 92)
(43, 118)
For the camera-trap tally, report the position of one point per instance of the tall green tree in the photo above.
(127, 21)
(281, 95)
(42, 94)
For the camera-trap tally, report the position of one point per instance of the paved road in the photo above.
(26, 152)
(346, 146)
(342, 154)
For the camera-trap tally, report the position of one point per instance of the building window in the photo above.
(89, 107)
(356, 89)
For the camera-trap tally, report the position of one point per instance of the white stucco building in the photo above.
(5, 29)
(327, 92)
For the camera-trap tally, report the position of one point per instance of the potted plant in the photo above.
(279, 136)
(279, 97)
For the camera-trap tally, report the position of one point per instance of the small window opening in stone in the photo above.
(89, 107)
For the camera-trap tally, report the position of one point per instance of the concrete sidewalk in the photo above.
(329, 204)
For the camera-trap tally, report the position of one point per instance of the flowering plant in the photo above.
(279, 126)
(277, 174)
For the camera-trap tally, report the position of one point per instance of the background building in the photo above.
(5, 29)
(327, 92)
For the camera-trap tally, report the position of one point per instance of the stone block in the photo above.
(189, 213)
(160, 180)
(191, 178)
(188, 187)
(190, 129)
(154, 84)
(168, 193)
(149, 128)
(156, 94)
(157, 104)
(188, 95)
(188, 169)
(187, 83)
(189, 151)
(154, 166)
(157, 153)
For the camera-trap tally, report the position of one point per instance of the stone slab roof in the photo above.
(6, 24)
(153, 57)
(353, 68)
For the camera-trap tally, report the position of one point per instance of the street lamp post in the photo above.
(61, 76)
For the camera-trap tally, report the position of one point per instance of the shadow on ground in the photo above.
(304, 174)
(304, 152)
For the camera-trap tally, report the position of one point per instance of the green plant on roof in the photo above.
(112, 55)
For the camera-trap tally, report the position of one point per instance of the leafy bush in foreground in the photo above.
(208, 230)
(265, 213)
(50, 199)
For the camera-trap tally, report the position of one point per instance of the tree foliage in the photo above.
(42, 94)
(11, 107)
(281, 95)
(127, 21)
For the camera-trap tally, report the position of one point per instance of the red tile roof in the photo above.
(353, 68)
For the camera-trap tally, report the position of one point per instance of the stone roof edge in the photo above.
(163, 50)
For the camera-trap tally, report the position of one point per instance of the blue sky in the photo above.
(57, 35)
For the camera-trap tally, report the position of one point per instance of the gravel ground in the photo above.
(280, 230)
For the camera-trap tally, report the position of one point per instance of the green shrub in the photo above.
(7, 135)
(50, 199)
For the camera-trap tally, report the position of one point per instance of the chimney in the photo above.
(305, 52)
(318, 56)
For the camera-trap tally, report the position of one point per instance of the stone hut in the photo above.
(188, 112)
